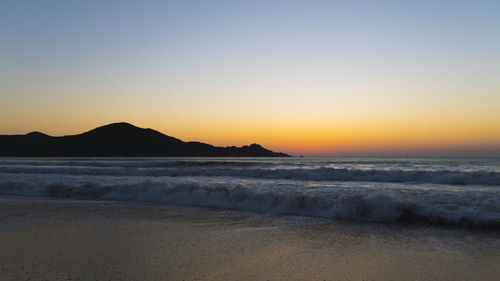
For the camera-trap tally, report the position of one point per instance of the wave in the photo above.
(309, 174)
(464, 208)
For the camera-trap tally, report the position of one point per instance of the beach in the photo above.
(249, 140)
(64, 239)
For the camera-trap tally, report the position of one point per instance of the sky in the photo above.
(302, 77)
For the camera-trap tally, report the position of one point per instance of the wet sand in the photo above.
(56, 239)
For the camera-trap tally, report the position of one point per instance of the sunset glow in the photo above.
(302, 77)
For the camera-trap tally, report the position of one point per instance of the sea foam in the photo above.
(433, 204)
(307, 174)
(436, 191)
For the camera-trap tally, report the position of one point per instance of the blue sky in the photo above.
(206, 69)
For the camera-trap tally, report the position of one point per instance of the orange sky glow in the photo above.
(331, 78)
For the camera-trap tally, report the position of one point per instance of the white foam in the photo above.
(453, 191)
(308, 174)
(347, 200)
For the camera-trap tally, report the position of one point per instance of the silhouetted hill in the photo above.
(120, 139)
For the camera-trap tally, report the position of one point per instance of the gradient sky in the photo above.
(303, 77)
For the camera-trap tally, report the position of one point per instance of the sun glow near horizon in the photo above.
(313, 78)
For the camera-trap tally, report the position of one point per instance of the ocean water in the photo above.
(442, 191)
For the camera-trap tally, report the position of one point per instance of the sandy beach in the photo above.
(57, 239)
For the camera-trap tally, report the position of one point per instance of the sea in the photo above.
(462, 192)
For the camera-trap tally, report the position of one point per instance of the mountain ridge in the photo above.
(120, 140)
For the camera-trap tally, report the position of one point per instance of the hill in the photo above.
(120, 139)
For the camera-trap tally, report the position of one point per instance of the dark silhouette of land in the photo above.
(120, 139)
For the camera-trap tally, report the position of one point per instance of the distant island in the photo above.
(120, 139)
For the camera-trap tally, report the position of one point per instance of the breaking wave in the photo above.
(463, 192)
(464, 207)
(307, 174)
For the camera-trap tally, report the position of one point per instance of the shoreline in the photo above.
(59, 239)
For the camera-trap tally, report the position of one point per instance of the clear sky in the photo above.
(303, 77)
